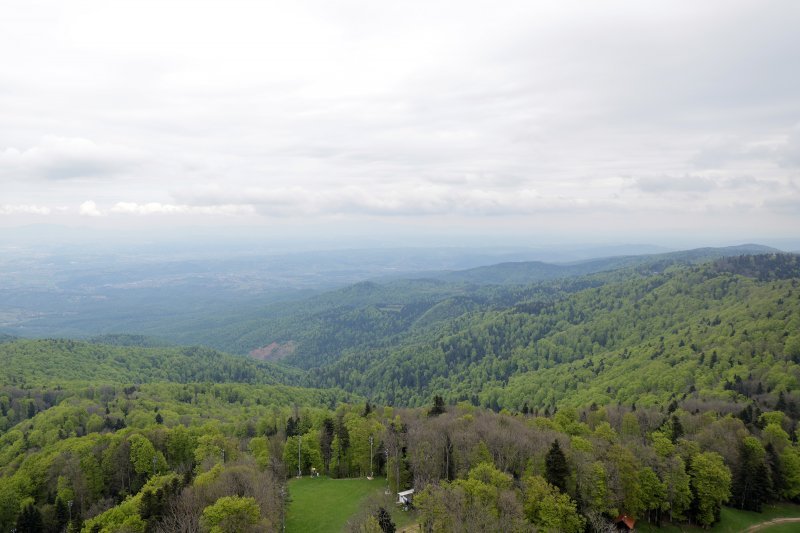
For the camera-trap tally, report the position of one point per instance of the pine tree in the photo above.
(29, 520)
(385, 520)
(291, 428)
(556, 469)
(751, 484)
(677, 429)
(61, 514)
(438, 406)
(775, 471)
(780, 405)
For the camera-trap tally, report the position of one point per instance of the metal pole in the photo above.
(69, 506)
(299, 440)
(283, 508)
(371, 473)
(386, 452)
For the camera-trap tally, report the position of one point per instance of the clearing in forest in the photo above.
(324, 505)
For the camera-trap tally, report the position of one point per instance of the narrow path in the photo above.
(773, 522)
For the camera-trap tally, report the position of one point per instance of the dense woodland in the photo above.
(660, 391)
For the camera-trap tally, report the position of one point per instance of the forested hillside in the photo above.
(642, 339)
(661, 393)
(33, 362)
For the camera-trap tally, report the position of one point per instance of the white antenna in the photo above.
(371, 473)
(299, 440)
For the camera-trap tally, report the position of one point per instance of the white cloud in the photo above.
(89, 209)
(23, 209)
(155, 208)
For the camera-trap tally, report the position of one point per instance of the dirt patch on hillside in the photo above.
(274, 352)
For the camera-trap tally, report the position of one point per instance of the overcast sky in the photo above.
(607, 120)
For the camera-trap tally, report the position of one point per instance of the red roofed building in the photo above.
(624, 522)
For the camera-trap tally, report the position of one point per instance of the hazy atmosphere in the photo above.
(399, 267)
(674, 124)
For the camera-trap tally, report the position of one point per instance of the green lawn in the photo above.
(324, 505)
(735, 521)
(781, 528)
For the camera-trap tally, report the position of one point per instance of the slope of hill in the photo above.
(650, 391)
(371, 315)
(36, 362)
(696, 327)
(532, 271)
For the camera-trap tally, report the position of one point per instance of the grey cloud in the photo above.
(665, 184)
(786, 205)
(318, 110)
(701, 184)
(59, 158)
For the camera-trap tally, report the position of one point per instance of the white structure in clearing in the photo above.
(405, 497)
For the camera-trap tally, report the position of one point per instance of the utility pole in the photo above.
(283, 508)
(371, 473)
(299, 441)
(69, 506)
(386, 452)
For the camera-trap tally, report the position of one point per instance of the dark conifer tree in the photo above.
(556, 469)
(385, 520)
(751, 483)
(438, 406)
(775, 471)
(61, 514)
(291, 427)
(29, 520)
(780, 405)
(344, 445)
(326, 443)
(676, 429)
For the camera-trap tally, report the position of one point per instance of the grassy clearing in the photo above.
(324, 505)
(735, 521)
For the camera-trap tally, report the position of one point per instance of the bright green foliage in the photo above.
(125, 516)
(231, 514)
(711, 482)
(549, 509)
(596, 488)
(483, 486)
(144, 457)
(309, 454)
(790, 468)
(69, 360)
(259, 448)
(180, 446)
(487, 473)
(677, 488)
(653, 493)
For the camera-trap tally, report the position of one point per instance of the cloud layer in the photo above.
(115, 113)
